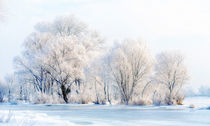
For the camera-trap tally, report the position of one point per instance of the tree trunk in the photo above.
(64, 93)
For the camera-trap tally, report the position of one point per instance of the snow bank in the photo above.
(198, 102)
(30, 118)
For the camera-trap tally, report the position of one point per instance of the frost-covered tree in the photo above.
(100, 78)
(62, 62)
(130, 65)
(7, 90)
(10, 82)
(171, 73)
(57, 53)
(2, 91)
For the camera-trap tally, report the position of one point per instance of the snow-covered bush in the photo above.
(42, 98)
(141, 102)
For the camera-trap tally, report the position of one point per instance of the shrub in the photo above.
(47, 99)
(179, 101)
(141, 102)
(192, 106)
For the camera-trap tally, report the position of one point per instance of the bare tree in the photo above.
(10, 82)
(171, 72)
(101, 79)
(131, 65)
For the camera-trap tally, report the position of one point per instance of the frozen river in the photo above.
(107, 115)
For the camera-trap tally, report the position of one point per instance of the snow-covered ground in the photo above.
(198, 101)
(107, 115)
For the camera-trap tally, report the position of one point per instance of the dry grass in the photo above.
(140, 102)
(179, 101)
(192, 106)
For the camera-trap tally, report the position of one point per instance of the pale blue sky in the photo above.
(165, 24)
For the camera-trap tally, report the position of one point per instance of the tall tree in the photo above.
(58, 52)
(171, 72)
(130, 65)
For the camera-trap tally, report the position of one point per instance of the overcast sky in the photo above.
(182, 25)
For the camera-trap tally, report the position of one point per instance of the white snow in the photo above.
(31, 118)
(198, 101)
(107, 115)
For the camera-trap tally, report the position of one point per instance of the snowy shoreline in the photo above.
(106, 115)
